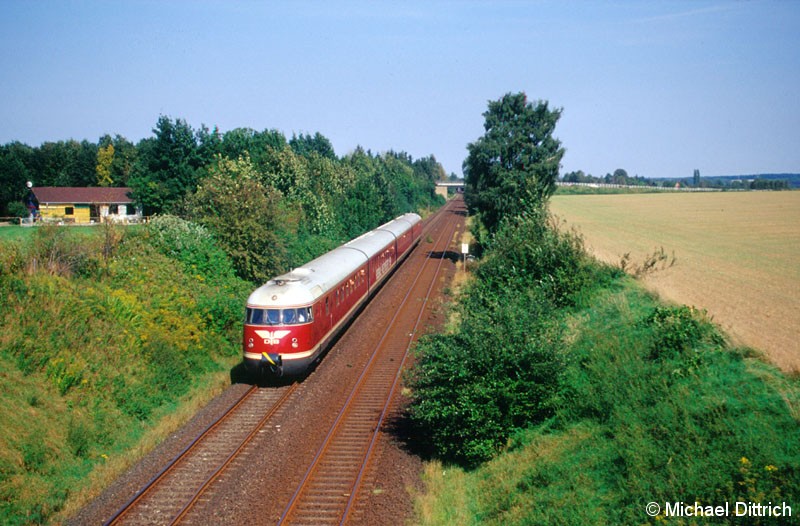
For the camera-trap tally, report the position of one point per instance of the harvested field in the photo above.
(737, 255)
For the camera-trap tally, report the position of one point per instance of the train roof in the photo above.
(401, 224)
(370, 243)
(305, 284)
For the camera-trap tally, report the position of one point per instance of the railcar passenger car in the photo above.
(291, 320)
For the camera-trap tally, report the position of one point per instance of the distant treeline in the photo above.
(161, 169)
(271, 202)
(733, 182)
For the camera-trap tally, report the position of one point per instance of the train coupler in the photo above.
(273, 361)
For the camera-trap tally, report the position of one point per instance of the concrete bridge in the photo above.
(441, 187)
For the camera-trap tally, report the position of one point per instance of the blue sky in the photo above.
(657, 88)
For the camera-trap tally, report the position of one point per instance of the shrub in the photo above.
(471, 390)
(191, 244)
(17, 209)
(501, 370)
(530, 251)
(678, 330)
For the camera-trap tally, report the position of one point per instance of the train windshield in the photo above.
(278, 316)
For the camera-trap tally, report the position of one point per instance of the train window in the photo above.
(263, 316)
(295, 316)
(255, 316)
(304, 314)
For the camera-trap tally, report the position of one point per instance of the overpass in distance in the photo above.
(442, 187)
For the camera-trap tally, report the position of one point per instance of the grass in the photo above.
(735, 255)
(653, 408)
(17, 232)
(100, 358)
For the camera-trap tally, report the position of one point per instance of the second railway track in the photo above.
(328, 492)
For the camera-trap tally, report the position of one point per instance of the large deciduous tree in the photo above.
(245, 216)
(513, 167)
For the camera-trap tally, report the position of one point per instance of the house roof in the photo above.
(72, 195)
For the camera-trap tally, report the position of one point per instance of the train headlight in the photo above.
(250, 343)
(294, 343)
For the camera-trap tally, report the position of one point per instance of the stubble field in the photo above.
(737, 255)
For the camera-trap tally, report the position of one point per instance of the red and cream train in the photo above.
(291, 319)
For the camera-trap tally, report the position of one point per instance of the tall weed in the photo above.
(59, 251)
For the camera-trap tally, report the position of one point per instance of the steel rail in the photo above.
(362, 470)
(166, 469)
(185, 454)
(292, 388)
(345, 411)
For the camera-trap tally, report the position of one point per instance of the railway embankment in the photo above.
(107, 345)
(568, 394)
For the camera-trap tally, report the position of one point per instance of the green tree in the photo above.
(209, 144)
(245, 216)
(513, 167)
(260, 146)
(429, 169)
(65, 163)
(15, 159)
(305, 144)
(168, 166)
(123, 160)
(105, 157)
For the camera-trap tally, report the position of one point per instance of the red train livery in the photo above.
(291, 319)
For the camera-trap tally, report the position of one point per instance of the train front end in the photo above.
(279, 328)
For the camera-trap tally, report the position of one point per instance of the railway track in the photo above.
(172, 492)
(328, 491)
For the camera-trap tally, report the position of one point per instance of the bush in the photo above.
(191, 244)
(471, 390)
(530, 251)
(17, 209)
(679, 330)
(501, 371)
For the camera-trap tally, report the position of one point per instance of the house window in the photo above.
(113, 209)
(69, 210)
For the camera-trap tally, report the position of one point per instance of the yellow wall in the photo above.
(80, 213)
